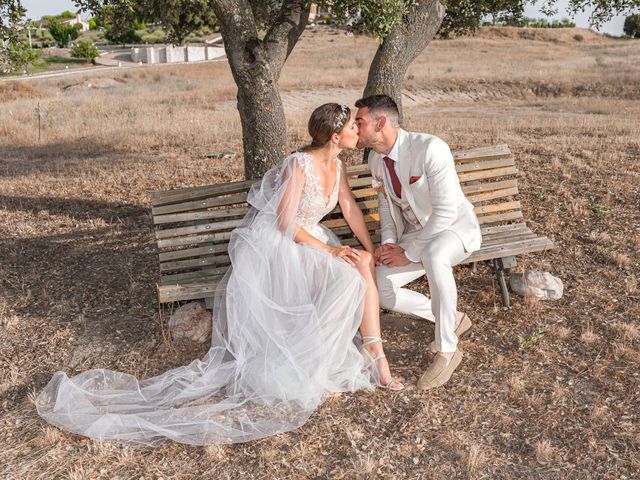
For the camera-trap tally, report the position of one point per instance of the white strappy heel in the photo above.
(393, 384)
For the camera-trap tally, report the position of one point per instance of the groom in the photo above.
(427, 224)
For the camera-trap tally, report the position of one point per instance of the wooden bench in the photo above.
(193, 225)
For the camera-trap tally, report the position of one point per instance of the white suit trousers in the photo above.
(437, 261)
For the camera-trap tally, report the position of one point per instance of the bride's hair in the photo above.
(326, 120)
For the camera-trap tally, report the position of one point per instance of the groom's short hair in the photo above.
(380, 104)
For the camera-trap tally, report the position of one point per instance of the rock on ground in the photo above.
(191, 322)
(541, 285)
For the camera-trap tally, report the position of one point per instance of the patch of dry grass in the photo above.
(78, 263)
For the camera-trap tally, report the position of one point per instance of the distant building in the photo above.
(175, 54)
(84, 25)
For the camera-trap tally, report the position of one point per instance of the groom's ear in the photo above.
(382, 121)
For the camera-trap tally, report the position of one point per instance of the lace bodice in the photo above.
(314, 204)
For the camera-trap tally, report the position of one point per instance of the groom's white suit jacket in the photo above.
(434, 195)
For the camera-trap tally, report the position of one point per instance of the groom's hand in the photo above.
(392, 255)
(379, 251)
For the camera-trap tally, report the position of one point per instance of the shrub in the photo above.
(20, 55)
(86, 50)
(632, 25)
(578, 37)
(62, 33)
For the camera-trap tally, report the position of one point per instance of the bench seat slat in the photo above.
(497, 207)
(200, 215)
(501, 217)
(484, 165)
(491, 242)
(489, 230)
(340, 222)
(504, 234)
(200, 204)
(484, 174)
(193, 252)
(177, 293)
(364, 193)
(193, 263)
(200, 279)
(478, 152)
(517, 248)
(205, 228)
(198, 193)
(193, 240)
(494, 195)
(194, 274)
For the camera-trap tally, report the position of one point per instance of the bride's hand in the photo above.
(346, 253)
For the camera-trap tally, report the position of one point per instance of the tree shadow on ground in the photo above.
(76, 208)
(18, 160)
(106, 274)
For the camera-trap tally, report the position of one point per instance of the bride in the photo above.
(285, 331)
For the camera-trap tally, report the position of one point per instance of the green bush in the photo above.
(632, 25)
(19, 55)
(62, 33)
(86, 50)
(92, 24)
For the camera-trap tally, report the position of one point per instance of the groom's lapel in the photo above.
(405, 156)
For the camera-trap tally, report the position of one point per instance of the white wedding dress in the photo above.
(283, 337)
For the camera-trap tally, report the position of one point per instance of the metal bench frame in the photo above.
(193, 225)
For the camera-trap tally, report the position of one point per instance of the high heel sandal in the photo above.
(393, 384)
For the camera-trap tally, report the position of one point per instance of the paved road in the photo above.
(115, 59)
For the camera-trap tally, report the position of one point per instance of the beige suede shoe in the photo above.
(439, 372)
(463, 327)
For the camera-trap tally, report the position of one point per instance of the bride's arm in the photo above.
(352, 213)
(288, 208)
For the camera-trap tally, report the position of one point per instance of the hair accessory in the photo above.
(340, 120)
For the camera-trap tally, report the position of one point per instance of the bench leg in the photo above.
(501, 265)
(503, 287)
(208, 302)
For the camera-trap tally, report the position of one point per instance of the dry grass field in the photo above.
(78, 262)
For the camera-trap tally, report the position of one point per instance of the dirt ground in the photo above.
(78, 262)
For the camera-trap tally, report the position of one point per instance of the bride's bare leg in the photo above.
(370, 326)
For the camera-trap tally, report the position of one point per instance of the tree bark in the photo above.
(256, 65)
(401, 47)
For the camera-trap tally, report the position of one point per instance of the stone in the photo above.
(191, 322)
(541, 285)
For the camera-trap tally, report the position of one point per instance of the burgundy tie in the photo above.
(395, 181)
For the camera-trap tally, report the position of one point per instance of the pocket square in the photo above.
(414, 179)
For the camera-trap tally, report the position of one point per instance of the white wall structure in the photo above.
(172, 54)
(84, 25)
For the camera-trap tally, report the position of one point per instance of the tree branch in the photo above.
(285, 31)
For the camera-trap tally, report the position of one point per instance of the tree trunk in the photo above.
(401, 47)
(256, 65)
(263, 124)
